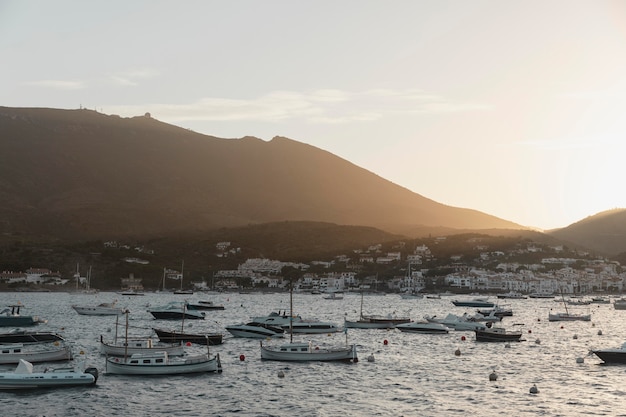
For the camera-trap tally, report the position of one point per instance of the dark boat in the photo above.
(23, 336)
(612, 356)
(204, 305)
(497, 334)
(170, 336)
(476, 302)
(176, 311)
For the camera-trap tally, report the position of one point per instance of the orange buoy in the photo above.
(462, 337)
(385, 342)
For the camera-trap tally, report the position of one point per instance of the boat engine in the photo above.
(93, 371)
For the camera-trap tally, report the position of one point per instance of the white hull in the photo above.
(98, 310)
(25, 378)
(141, 346)
(36, 352)
(431, 328)
(569, 317)
(252, 332)
(311, 328)
(304, 352)
(150, 365)
(364, 324)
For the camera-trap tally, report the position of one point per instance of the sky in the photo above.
(513, 108)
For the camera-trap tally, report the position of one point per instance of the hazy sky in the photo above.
(513, 108)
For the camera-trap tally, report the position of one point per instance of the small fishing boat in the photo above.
(254, 330)
(11, 317)
(23, 336)
(176, 311)
(35, 352)
(160, 363)
(24, 377)
(498, 334)
(464, 322)
(102, 309)
(311, 327)
(423, 327)
(567, 316)
(375, 321)
(475, 302)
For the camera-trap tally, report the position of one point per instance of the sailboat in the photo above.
(375, 321)
(567, 316)
(181, 291)
(301, 352)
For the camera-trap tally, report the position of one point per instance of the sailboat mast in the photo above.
(182, 273)
(290, 311)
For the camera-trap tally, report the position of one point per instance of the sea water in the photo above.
(406, 374)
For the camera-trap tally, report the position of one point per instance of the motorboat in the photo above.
(130, 346)
(204, 305)
(497, 311)
(512, 295)
(102, 309)
(172, 336)
(498, 334)
(455, 322)
(161, 363)
(302, 352)
(23, 336)
(568, 317)
(619, 304)
(334, 296)
(278, 318)
(35, 352)
(475, 302)
(24, 377)
(132, 293)
(176, 311)
(254, 330)
(423, 327)
(311, 327)
(612, 355)
(541, 295)
(11, 317)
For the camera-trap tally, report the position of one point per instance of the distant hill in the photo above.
(604, 232)
(79, 174)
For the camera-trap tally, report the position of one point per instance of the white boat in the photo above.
(568, 317)
(160, 363)
(176, 311)
(102, 309)
(512, 295)
(279, 318)
(139, 345)
(305, 352)
(254, 330)
(455, 322)
(311, 327)
(204, 305)
(334, 296)
(35, 352)
(423, 327)
(24, 377)
(301, 352)
(11, 317)
(619, 304)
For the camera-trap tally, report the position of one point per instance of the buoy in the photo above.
(580, 360)
(529, 331)
(599, 332)
(188, 344)
(538, 319)
(370, 358)
(109, 330)
(281, 374)
(242, 357)
(534, 389)
(507, 345)
(538, 342)
(575, 336)
(457, 352)
(561, 326)
(462, 337)
(82, 352)
(385, 342)
(493, 376)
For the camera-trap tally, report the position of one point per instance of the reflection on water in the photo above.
(412, 374)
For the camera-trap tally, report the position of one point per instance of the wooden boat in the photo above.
(24, 377)
(23, 336)
(612, 355)
(204, 305)
(171, 336)
(374, 321)
(11, 317)
(498, 334)
(567, 316)
(160, 363)
(301, 352)
(423, 327)
(35, 352)
(102, 309)
(311, 327)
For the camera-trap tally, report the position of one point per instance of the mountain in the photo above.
(604, 232)
(80, 174)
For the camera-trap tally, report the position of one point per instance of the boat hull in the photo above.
(569, 317)
(29, 337)
(427, 328)
(167, 336)
(200, 364)
(141, 347)
(487, 336)
(255, 331)
(24, 378)
(310, 328)
(98, 311)
(611, 356)
(176, 315)
(34, 353)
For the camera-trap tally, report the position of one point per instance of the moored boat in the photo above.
(476, 302)
(612, 355)
(171, 336)
(24, 377)
(619, 304)
(11, 317)
(423, 327)
(311, 327)
(131, 346)
(375, 321)
(175, 311)
(160, 363)
(568, 317)
(301, 352)
(204, 305)
(35, 352)
(254, 330)
(102, 309)
(23, 336)
(498, 334)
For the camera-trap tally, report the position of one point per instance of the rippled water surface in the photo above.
(411, 375)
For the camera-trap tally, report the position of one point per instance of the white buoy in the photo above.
(580, 360)
(281, 374)
(538, 342)
(575, 336)
(534, 389)
(599, 332)
(370, 358)
(493, 376)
